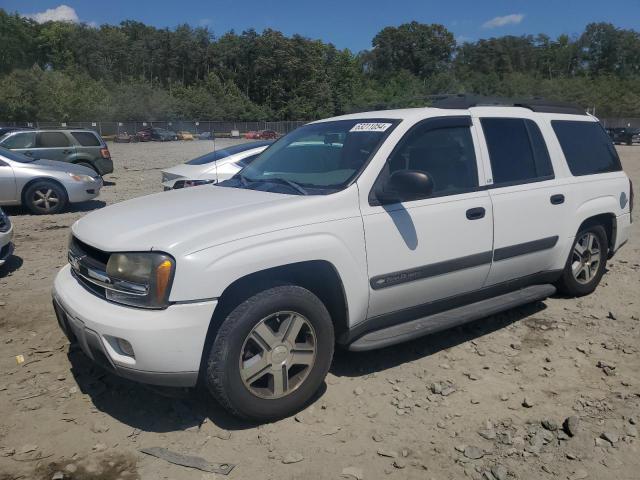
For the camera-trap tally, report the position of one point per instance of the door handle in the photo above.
(66, 151)
(557, 199)
(475, 213)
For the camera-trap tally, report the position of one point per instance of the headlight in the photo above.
(140, 279)
(81, 178)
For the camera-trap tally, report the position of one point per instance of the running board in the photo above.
(451, 318)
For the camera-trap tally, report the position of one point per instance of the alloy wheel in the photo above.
(45, 199)
(278, 355)
(586, 258)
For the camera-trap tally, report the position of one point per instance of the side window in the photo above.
(52, 140)
(20, 140)
(517, 151)
(586, 146)
(446, 154)
(86, 139)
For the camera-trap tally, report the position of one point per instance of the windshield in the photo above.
(316, 158)
(15, 156)
(225, 152)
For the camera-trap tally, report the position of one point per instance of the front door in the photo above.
(436, 247)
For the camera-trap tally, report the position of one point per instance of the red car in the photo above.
(261, 135)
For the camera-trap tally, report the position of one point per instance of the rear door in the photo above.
(529, 208)
(54, 145)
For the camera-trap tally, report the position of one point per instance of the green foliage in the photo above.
(64, 71)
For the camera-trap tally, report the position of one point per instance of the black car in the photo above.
(626, 136)
(162, 135)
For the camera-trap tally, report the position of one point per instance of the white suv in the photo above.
(364, 230)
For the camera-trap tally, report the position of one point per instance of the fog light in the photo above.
(125, 347)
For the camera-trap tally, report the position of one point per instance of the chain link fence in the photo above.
(220, 128)
(620, 122)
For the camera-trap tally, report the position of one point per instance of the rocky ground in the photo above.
(551, 390)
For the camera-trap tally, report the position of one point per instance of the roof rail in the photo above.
(535, 104)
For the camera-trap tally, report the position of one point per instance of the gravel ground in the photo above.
(486, 401)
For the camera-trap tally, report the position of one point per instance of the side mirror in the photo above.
(404, 186)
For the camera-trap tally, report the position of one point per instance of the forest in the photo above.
(59, 71)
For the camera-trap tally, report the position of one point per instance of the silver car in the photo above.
(44, 186)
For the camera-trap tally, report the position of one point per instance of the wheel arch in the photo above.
(608, 221)
(26, 186)
(320, 277)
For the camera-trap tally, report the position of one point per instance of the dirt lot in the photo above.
(486, 401)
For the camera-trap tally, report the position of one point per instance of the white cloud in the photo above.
(513, 19)
(62, 13)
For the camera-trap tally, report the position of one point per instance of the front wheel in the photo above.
(586, 263)
(45, 197)
(271, 354)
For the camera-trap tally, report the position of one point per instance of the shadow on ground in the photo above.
(164, 410)
(12, 264)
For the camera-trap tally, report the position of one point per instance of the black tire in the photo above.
(39, 197)
(570, 285)
(223, 371)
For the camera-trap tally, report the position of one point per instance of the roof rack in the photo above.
(535, 104)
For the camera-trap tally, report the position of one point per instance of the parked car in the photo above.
(44, 186)
(364, 230)
(82, 147)
(624, 136)
(144, 135)
(124, 137)
(184, 135)
(213, 167)
(161, 134)
(261, 135)
(6, 233)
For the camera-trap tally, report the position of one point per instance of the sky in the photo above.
(345, 23)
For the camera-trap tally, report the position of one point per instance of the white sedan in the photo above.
(213, 167)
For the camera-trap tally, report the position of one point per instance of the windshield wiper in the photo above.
(290, 183)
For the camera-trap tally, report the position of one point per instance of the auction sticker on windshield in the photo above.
(370, 127)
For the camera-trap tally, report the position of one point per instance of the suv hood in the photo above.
(183, 221)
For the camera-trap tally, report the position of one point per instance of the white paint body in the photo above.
(219, 235)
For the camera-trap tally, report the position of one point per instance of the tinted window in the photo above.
(446, 154)
(15, 156)
(86, 139)
(52, 140)
(225, 152)
(587, 147)
(20, 140)
(517, 150)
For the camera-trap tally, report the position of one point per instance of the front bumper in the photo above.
(6, 247)
(83, 191)
(167, 344)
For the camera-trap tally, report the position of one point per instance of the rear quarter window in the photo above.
(87, 139)
(587, 147)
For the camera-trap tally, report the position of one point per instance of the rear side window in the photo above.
(52, 140)
(587, 147)
(86, 139)
(517, 151)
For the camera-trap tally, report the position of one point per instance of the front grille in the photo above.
(83, 258)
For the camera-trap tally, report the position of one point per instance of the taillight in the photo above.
(105, 153)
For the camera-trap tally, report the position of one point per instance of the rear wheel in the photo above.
(586, 263)
(271, 354)
(45, 197)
